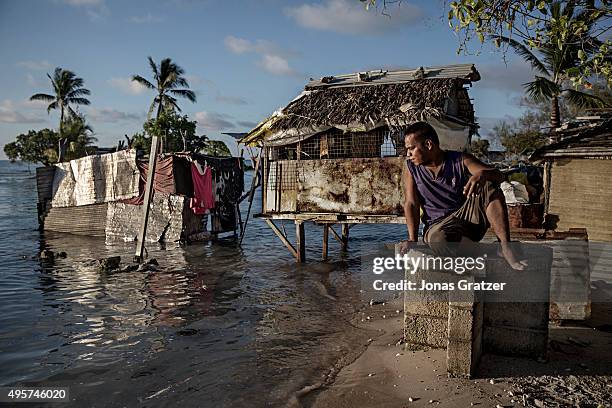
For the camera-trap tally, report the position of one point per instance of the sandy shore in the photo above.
(577, 373)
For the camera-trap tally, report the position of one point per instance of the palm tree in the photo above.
(555, 61)
(79, 136)
(68, 89)
(167, 77)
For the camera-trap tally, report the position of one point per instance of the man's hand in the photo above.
(474, 185)
(405, 246)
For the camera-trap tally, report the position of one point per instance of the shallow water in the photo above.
(216, 325)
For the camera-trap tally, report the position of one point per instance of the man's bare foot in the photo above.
(510, 257)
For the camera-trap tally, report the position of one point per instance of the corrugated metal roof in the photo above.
(594, 140)
(378, 77)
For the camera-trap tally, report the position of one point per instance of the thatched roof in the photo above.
(592, 140)
(363, 101)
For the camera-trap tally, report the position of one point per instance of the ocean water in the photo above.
(216, 325)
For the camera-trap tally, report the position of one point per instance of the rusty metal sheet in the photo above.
(351, 186)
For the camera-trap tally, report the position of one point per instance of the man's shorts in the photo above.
(469, 221)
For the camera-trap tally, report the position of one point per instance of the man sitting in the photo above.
(459, 194)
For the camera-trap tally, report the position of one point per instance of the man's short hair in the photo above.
(423, 131)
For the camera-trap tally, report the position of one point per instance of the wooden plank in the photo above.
(147, 199)
(335, 234)
(326, 228)
(333, 218)
(282, 237)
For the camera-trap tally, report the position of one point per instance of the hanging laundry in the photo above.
(202, 189)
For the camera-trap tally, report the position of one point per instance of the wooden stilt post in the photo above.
(334, 233)
(300, 241)
(325, 239)
(146, 205)
(345, 236)
(251, 195)
(282, 237)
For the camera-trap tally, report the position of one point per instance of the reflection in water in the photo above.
(214, 323)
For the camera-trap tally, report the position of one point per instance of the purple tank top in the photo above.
(441, 196)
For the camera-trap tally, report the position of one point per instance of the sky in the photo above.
(243, 58)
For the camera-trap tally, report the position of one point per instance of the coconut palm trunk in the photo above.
(61, 148)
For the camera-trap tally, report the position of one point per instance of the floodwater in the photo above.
(216, 325)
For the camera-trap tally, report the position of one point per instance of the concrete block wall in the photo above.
(471, 325)
(170, 219)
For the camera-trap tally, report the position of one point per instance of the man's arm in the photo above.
(411, 205)
(480, 173)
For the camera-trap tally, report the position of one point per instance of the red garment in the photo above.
(202, 190)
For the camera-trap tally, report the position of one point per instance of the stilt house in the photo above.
(334, 153)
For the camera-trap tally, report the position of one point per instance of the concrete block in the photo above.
(464, 346)
(517, 323)
(425, 307)
(425, 313)
(515, 341)
(425, 330)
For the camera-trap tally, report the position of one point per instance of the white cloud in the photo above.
(126, 85)
(273, 58)
(10, 114)
(35, 65)
(214, 121)
(351, 17)
(112, 115)
(146, 19)
(237, 45)
(276, 65)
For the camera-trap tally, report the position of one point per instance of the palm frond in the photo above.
(524, 52)
(53, 105)
(583, 100)
(78, 101)
(72, 113)
(541, 89)
(78, 92)
(153, 67)
(179, 81)
(184, 93)
(42, 97)
(143, 81)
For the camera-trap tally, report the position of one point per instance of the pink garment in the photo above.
(203, 199)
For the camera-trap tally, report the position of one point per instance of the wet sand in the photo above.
(577, 373)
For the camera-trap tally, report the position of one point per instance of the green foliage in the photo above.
(177, 133)
(524, 134)
(78, 136)
(480, 148)
(42, 146)
(216, 148)
(36, 146)
(167, 77)
(572, 27)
